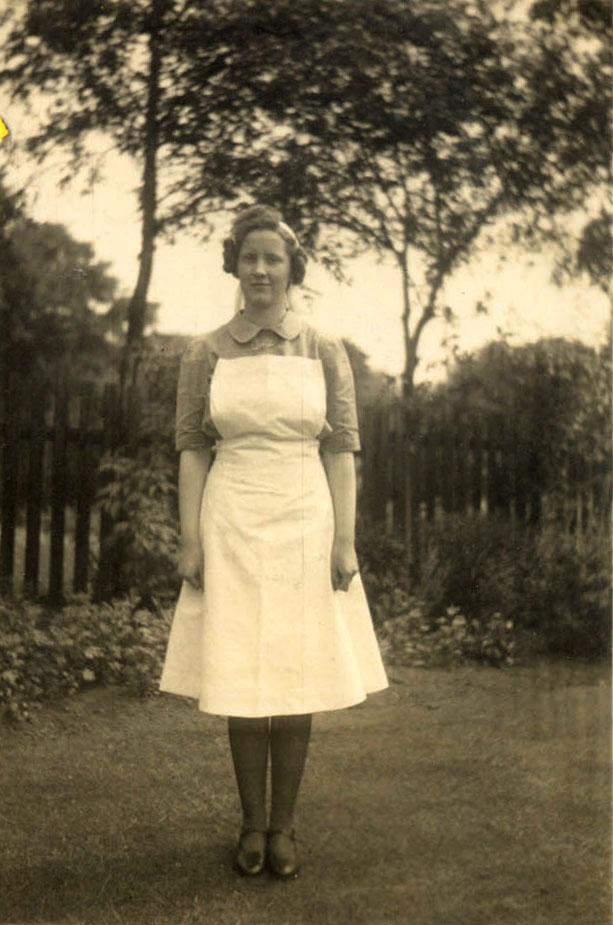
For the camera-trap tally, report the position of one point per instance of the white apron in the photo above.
(269, 636)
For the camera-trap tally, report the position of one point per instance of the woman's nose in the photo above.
(260, 266)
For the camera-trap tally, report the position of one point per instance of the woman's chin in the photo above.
(260, 301)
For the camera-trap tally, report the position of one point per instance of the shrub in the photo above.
(477, 564)
(139, 494)
(547, 586)
(414, 631)
(550, 582)
(383, 568)
(407, 637)
(568, 592)
(47, 654)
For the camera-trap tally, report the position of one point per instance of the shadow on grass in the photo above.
(471, 797)
(158, 877)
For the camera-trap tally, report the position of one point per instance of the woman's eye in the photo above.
(268, 258)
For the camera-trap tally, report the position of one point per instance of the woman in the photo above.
(272, 623)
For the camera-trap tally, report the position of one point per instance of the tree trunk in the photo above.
(410, 368)
(411, 527)
(148, 204)
(129, 367)
(410, 360)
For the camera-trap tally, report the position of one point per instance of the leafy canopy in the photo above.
(407, 128)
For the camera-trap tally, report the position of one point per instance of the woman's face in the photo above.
(263, 269)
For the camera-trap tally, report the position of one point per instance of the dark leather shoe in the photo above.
(250, 862)
(282, 854)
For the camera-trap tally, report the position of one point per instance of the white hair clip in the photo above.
(288, 233)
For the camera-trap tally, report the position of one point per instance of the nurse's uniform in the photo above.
(268, 635)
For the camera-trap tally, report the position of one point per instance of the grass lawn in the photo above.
(464, 797)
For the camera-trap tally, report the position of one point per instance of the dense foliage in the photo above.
(415, 630)
(54, 296)
(488, 591)
(552, 394)
(487, 595)
(46, 654)
(409, 127)
(138, 495)
(408, 638)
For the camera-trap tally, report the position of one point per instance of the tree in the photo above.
(556, 393)
(15, 285)
(585, 22)
(116, 319)
(453, 120)
(594, 255)
(371, 386)
(116, 67)
(69, 292)
(53, 296)
(592, 15)
(90, 62)
(163, 81)
(410, 129)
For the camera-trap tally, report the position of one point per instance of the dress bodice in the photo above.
(293, 370)
(269, 397)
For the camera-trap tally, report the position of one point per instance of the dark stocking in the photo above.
(289, 742)
(249, 745)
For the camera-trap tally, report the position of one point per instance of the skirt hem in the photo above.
(216, 709)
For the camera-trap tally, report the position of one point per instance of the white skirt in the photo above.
(269, 635)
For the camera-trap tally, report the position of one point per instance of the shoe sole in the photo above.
(278, 876)
(247, 873)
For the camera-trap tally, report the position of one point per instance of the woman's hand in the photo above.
(191, 564)
(344, 564)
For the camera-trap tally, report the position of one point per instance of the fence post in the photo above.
(534, 471)
(85, 466)
(429, 471)
(505, 466)
(492, 489)
(366, 462)
(10, 489)
(385, 467)
(476, 465)
(35, 484)
(376, 481)
(58, 491)
(134, 403)
(601, 492)
(461, 453)
(106, 578)
(519, 475)
(413, 494)
(446, 463)
(399, 462)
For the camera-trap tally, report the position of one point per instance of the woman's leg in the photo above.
(289, 742)
(249, 741)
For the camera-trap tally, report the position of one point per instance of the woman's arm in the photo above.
(340, 471)
(193, 471)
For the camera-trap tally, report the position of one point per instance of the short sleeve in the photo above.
(341, 434)
(192, 397)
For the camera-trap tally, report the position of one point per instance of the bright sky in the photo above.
(195, 295)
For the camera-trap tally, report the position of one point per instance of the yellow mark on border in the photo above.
(4, 129)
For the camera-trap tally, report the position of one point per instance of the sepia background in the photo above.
(445, 165)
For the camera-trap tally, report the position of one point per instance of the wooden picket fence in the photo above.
(53, 437)
(415, 470)
(410, 472)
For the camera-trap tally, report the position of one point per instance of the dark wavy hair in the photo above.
(263, 218)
